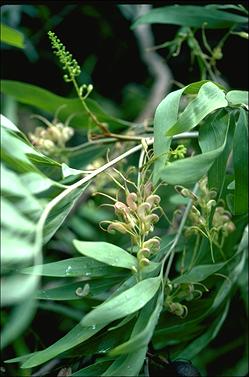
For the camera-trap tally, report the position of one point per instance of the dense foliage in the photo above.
(124, 239)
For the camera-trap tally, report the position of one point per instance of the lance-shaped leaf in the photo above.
(11, 36)
(211, 136)
(124, 304)
(209, 98)
(199, 273)
(240, 158)
(72, 267)
(106, 253)
(50, 102)
(192, 16)
(74, 337)
(127, 365)
(144, 328)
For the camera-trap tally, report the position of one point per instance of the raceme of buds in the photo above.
(49, 140)
(136, 218)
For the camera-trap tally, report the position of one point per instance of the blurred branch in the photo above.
(155, 63)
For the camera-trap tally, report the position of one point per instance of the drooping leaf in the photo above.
(106, 253)
(166, 117)
(209, 98)
(211, 136)
(192, 16)
(240, 158)
(11, 36)
(123, 304)
(50, 102)
(237, 97)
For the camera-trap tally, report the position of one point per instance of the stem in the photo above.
(78, 184)
(88, 111)
(197, 244)
(171, 251)
(113, 139)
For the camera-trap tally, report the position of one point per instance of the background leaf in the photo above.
(11, 36)
(191, 15)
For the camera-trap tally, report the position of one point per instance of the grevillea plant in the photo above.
(162, 282)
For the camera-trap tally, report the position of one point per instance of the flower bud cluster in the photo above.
(222, 221)
(136, 217)
(48, 140)
(201, 211)
(66, 59)
(177, 293)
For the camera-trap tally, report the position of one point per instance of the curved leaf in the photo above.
(106, 253)
(11, 36)
(192, 16)
(209, 98)
(240, 158)
(50, 102)
(237, 97)
(146, 322)
(124, 304)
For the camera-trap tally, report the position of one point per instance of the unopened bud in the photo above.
(148, 189)
(153, 244)
(143, 210)
(211, 203)
(144, 262)
(130, 200)
(118, 227)
(144, 252)
(82, 292)
(152, 219)
(153, 200)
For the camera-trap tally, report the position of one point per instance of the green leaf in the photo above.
(209, 98)
(211, 136)
(94, 370)
(201, 342)
(97, 289)
(192, 16)
(240, 160)
(165, 116)
(106, 253)
(74, 337)
(127, 365)
(237, 97)
(72, 267)
(145, 325)
(165, 119)
(11, 36)
(199, 273)
(124, 304)
(50, 102)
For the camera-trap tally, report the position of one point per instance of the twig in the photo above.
(171, 252)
